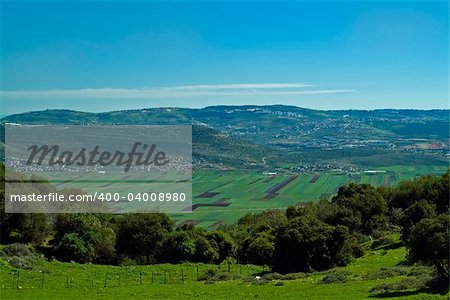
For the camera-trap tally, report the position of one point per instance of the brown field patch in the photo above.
(314, 179)
(273, 192)
(219, 203)
(217, 224)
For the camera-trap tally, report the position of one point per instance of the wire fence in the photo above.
(104, 277)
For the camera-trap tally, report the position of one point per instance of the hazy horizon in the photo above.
(228, 105)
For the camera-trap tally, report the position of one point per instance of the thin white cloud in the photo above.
(244, 89)
(239, 86)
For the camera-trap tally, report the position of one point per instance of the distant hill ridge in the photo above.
(243, 135)
(192, 113)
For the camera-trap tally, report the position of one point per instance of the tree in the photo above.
(179, 247)
(225, 244)
(260, 249)
(72, 247)
(143, 234)
(433, 189)
(307, 243)
(334, 214)
(414, 214)
(367, 205)
(429, 243)
(204, 251)
(25, 228)
(84, 238)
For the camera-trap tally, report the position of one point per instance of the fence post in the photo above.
(140, 277)
(18, 279)
(182, 275)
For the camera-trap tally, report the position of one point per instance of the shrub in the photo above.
(273, 276)
(212, 275)
(336, 276)
(16, 249)
(260, 249)
(386, 273)
(73, 248)
(20, 256)
(278, 276)
(225, 276)
(428, 243)
(420, 271)
(410, 283)
(20, 262)
(208, 274)
(256, 280)
(294, 276)
(84, 238)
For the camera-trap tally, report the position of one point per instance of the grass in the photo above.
(57, 280)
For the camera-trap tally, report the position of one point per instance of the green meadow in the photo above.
(57, 280)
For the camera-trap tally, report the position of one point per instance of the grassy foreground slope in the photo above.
(76, 281)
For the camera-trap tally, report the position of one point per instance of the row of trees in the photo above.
(314, 236)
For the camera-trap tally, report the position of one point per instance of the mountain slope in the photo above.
(288, 135)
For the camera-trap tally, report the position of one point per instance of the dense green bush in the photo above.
(259, 250)
(20, 256)
(72, 247)
(213, 275)
(429, 243)
(294, 276)
(142, 235)
(306, 243)
(278, 276)
(386, 273)
(17, 249)
(367, 206)
(408, 284)
(84, 238)
(336, 276)
(273, 276)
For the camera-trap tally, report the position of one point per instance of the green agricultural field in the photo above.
(57, 280)
(222, 197)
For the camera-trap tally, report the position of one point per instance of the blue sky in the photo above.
(108, 55)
